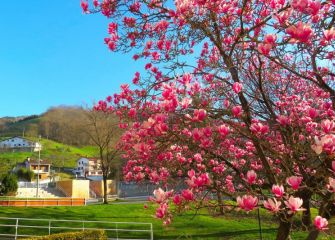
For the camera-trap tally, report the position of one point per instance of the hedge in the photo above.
(84, 235)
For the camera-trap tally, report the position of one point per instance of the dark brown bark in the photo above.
(220, 201)
(313, 234)
(306, 215)
(306, 218)
(283, 232)
(105, 189)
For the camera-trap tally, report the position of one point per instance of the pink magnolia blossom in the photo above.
(294, 182)
(187, 195)
(283, 120)
(264, 48)
(329, 34)
(294, 204)
(199, 115)
(162, 210)
(320, 223)
(270, 39)
(237, 111)
(278, 191)
(247, 202)
(312, 112)
(161, 196)
(300, 4)
(327, 126)
(301, 32)
(177, 199)
(95, 3)
(185, 102)
(259, 128)
(326, 144)
(332, 184)
(272, 205)
(223, 130)
(84, 6)
(251, 177)
(333, 165)
(237, 87)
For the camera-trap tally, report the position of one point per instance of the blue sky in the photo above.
(52, 54)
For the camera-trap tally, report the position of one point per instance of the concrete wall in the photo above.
(65, 187)
(98, 186)
(81, 189)
(75, 188)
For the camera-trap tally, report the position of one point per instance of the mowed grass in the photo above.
(187, 226)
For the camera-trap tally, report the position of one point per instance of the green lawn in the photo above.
(188, 226)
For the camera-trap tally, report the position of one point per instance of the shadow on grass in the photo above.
(218, 235)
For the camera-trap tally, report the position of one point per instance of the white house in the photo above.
(88, 167)
(20, 143)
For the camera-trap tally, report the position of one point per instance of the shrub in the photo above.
(26, 174)
(9, 184)
(84, 235)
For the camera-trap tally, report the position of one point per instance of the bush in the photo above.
(9, 185)
(84, 235)
(26, 174)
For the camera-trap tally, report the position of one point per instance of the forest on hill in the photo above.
(65, 124)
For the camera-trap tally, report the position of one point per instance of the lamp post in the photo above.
(38, 166)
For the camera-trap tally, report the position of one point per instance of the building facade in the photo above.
(19, 144)
(41, 169)
(88, 167)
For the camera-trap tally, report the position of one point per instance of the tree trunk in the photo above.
(313, 234)
(306, 215)
(105, 189)
(284, 229)
(220, 201)
(306, 218)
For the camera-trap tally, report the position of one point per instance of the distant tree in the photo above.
(9, 184)
(25, 174)
(65, 124)
(104, 133)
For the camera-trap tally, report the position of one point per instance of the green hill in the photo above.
(61, 155)
(10, 127)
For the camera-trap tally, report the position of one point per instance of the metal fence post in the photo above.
(117, 232)
(16, 227)
(49, 227)
(152, 232)
(83, 226)
(259, 225)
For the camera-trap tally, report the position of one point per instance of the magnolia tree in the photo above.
(237, 102)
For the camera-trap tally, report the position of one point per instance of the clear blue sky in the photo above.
(52, 54)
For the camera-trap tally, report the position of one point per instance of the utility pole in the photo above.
(38, 168)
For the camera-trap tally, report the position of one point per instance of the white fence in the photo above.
(32, 185)
(16, 228)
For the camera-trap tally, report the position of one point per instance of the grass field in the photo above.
(188, 226)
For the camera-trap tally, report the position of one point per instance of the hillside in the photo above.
(61, 155)
(10, 127)
(65, 124)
